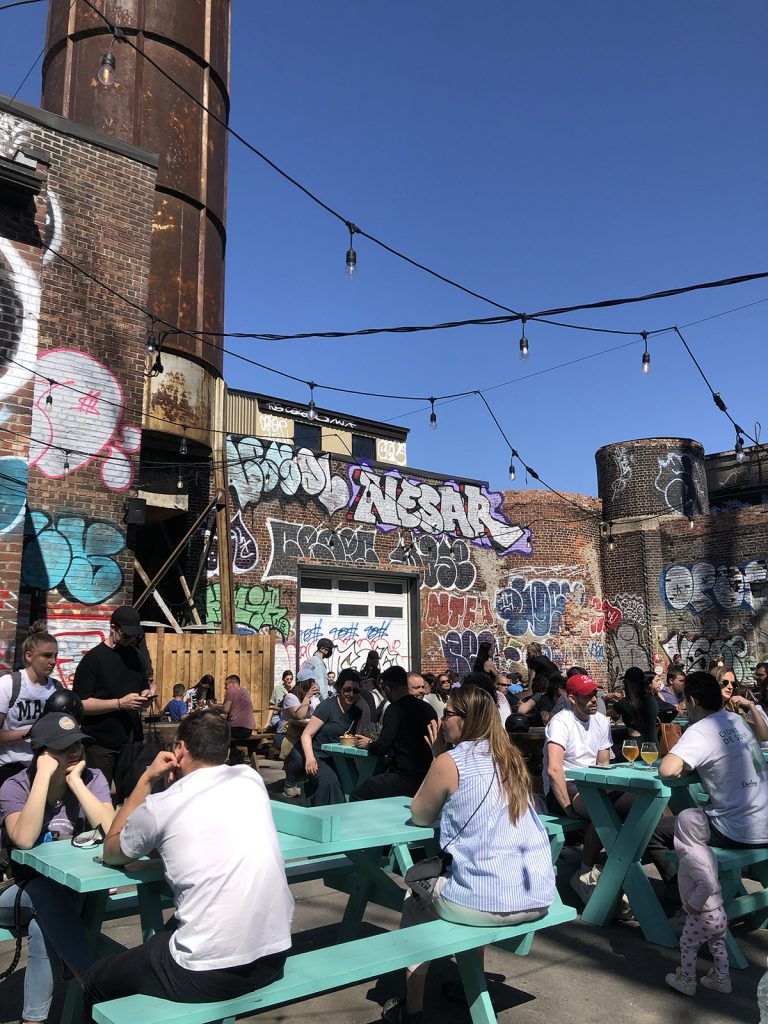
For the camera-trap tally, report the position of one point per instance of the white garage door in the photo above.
(360, 614)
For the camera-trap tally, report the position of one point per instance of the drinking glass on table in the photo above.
(630, 750)
(649, 753)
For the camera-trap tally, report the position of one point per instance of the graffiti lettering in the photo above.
(701, 586)
(292, 541)
(631, 606)
(623, 461)
(697, 652)
(465, 510)
(603, 616)
(245, 549)
(74, 428)
(256, 470)
(74, 554)
(682, 483)
(75, 634)
(460, 649)
(457, 611)
(256, 608)
(390, 451)
(537, 606)
(627, 646)
(446, 562)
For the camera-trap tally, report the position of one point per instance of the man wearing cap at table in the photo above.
(580, 737)
(112, 680)
(315, 667)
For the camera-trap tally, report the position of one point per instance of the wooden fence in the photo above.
(185, 657)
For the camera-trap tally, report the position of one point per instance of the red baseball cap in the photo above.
(584, 686)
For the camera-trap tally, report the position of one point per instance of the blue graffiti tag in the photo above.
(74, 554)
(13, 492)
(537, 606)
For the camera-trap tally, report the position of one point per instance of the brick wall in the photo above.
(482, 580)
(84, 442)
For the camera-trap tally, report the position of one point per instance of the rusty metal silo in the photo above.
(189, 39)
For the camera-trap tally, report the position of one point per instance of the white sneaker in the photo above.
(678, 982)
(584, 884)
(291, 791)
(711, 980)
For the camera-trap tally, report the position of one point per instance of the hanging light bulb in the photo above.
(183, 449)
(66, 462)
(151, 339)
(107, 67)
(179, 481)
(611, 541)
(523, 342)
(739, 447)
(512, 473)
(311, 410)
(432, 416)
(351, 254)
(49, 396)
(690, 521)
(646, 354)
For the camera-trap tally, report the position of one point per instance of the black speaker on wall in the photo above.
(135, 511)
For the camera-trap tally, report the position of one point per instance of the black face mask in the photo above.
(129, 641)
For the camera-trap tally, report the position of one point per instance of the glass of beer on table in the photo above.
(630, 749)
(649, 753)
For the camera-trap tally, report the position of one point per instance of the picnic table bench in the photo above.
(322, 970)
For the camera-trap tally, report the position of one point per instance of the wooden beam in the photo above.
(158, 599)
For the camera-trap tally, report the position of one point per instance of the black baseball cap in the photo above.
(56, 731)
(127, 620)
(325, 644)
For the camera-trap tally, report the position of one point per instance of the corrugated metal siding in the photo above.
(242, 414)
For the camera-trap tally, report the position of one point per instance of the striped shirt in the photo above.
(497, 867)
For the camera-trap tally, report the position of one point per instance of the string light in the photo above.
(311, 410)
(49, 396)
(512, 473)
(739, 446)
(523, 341)
(179, 481)
(66, 462)
(690, 521)
(351, 254)
(432, 415)
(611, 541)
(106, 71)
(151, 339)
(646, 354)
(183, 449)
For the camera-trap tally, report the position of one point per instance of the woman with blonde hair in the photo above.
(496, 852)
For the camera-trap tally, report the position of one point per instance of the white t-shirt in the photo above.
(723, 750)
(24, 713)
(581, 741)
(290, 703)
(215, 834)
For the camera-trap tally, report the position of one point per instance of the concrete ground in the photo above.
(575, 972)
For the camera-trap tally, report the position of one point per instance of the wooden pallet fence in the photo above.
(185, 657)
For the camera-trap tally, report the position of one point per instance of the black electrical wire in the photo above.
(19, 3)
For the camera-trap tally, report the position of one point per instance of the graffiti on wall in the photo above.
(460, 648)
(245, 549)
(632, 607)
(76, 634)
(447, 563)
(256, 608)
(390, 451)
(353, 642)
(19, 315)
(602, 615)
(78, 419)
(387, 500)
(701, 586)
(74, 554)
(292, 541)
(13, 492)
(457, 611)
(623, 464)
(536, 607)
(627, 645)
(682, 483)
(698, 651)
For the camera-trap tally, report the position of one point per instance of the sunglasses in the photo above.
(453, 714)
(345, 689)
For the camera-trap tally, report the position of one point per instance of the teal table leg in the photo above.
(150, 909)
(475, 987)
(366, 767)
(370, 885)
(93, 918)
(346, 772)
(625, 843)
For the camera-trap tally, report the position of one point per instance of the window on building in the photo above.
(307, 435)
(363, 447)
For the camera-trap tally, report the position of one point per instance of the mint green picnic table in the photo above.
(352, 765)
(625, 841)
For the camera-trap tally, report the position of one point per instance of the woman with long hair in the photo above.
(204, 691)
(484, 662)
(500, 871)
(296, 706)
(56, 797)
(732, 701)
(638, 709)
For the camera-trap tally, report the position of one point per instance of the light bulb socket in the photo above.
(351, 262)
(107, 68)
(183, 447)
(512, 473)
(646, 362)
(524, 351)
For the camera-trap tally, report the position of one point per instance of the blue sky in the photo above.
(543, 154)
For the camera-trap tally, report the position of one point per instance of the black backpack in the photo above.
(16, 688)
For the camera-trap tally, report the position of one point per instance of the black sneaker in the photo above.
(394, 1012)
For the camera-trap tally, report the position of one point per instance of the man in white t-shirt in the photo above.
(214, 831)
(580, 737)
(722, 748)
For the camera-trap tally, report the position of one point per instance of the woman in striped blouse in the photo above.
(500, 869)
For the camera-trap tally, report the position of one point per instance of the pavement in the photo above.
(575, 972)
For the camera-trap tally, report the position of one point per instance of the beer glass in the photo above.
(630, 750)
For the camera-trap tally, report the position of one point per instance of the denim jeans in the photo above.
(294, 766)
(56, 930)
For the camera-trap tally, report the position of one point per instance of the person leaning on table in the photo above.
(214, 832)
(501, 868)
(722, 748)
(57, 797)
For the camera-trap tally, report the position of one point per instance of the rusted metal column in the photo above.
(189, 39)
